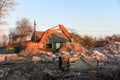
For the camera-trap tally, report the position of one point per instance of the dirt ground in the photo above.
(32, 70)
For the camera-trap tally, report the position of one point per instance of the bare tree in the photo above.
(24, 27)
(12, 34)
(89, 42)
(6, 6)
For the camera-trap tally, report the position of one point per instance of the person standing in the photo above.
(60, 63)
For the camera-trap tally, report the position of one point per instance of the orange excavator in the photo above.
(40, 44)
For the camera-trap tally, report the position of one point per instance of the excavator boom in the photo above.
(47, 33)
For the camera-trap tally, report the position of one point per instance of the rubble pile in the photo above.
(32, 52)
(71, 50)
(110, 51)
(43, 65)
(111, 48)
(72, 46)
(38, 55)
(24, 70)
(10, 57)
(108, 56)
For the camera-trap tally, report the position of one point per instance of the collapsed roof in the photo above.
(55, 37)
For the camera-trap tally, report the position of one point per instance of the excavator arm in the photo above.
(53, 30)
(65, 31)
(47, 33)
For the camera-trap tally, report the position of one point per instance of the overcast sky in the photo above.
(93, 17)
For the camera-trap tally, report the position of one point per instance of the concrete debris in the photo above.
(36, 58)
(109, 52)
(111, 48)
(68, 47)
(117, 42)
(97, 55)
(43, 65)
(10, 57)
(73, 51)
(22, 70)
